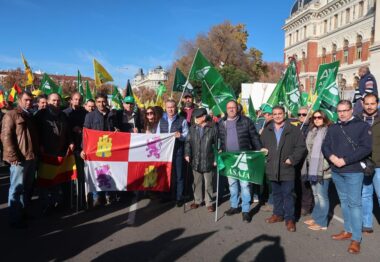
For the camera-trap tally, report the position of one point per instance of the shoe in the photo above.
(211, 209)
(316, 227)
(290, 226)
(304, 212)
(232, 211)
(309, 222)
(246, 217)
(367, 231)
(274, 219)
(354, 247)
(179, 203)
(267, 208)
(342, 236)
(194, 206)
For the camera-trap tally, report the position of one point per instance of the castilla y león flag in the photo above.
(117, 161)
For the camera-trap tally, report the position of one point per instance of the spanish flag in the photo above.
(101, 74)
(2, 99)
(54, 170)
(28, 72)
(13, 93)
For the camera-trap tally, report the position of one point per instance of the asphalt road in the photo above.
(148, 230)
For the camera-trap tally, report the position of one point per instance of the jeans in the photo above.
(20, 190)
(349, 188)
(283, 199)
(370, 183)
(321, 202)
(178, 176)
(245, 194)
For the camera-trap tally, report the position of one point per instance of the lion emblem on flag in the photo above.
(154, 147)
(103, 176)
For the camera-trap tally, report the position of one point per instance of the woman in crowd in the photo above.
(317, 171)
(151, 120)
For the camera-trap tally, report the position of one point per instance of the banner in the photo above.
(117, 161)
(54, 170)
(247, 166)
(323, 73)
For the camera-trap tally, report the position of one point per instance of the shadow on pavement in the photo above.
(165, 247)
(272, 252)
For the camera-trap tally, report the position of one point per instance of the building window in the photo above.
(361, 8)
(345, 51)
(323, 55)
(334, 51)
(297, 36)
(303, 62)
(336, 21)
(347, 15)
(359, 44)
(304, 32)
(325, 26)
(290, 39)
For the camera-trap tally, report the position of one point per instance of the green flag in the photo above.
(161, 89)
(212, 81)
(328, 98)
(48, 86)
(60, 90)
(128, 89)
(117, 99)
(180, 82)
(277, 96)
(323, 73)
(291, 88)
(80, 84)
(304, 98)
(251, 110)
(88, 92)
(247, 166)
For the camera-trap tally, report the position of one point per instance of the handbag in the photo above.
(367, 164)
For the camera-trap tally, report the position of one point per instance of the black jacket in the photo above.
(201, 149)
(97, 121)
(336, 143)
(376, 142)
(247, 136)
(291, 146)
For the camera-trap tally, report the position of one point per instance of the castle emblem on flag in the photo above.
(104, 146)
(150, 177)
(154, 147)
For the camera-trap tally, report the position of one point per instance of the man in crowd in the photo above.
(20, 139)
(286, 148)
(55, 140)
(128, 119)
(266, 112)
(76, 114)
(188, 107)
(346, 144)
(238, 133)
(101, 120)
(171, 122)
(41, 102)
(199, 151)
(367, 85)
(89, 106)
(370, 115)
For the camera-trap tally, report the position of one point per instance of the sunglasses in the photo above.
(303, 114)
(149, 113)
(317, 117)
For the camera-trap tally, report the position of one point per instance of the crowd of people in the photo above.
(304, 155)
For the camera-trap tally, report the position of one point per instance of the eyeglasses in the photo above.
(303, 114)
(317, 117)
(149, 113)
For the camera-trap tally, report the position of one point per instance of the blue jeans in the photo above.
(349, 188)
(283, 199)
(234, 194)
(178, 175)
(20, 190)
(370, 183)
(321, 202)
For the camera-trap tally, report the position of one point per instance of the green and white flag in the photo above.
(48, 86)
(291, 88)
(88, 92)
(180, 82)
(328, 98)
(213, 86)
(80, 85)
(323, 74)
(117, 99)
(246, 166)
(251, 110)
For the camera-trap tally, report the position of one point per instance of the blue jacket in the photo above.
(97, 121)
(336, 143)
(367, 84)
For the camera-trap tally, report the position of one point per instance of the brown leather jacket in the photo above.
(19, 136)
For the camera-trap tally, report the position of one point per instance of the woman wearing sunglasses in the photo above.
(316, 170)
(151, 120)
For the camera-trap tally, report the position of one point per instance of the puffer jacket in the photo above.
(19, 136)
(201, 149)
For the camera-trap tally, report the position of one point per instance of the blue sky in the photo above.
(59, 36)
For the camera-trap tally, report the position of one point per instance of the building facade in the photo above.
(152, 79)
(324, 31)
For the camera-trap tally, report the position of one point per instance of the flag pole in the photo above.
(187, 80)
(220, 109)
(217, 194)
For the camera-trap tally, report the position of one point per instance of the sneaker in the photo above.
(246, 217)
(232, 211)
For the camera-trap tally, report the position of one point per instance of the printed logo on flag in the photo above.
(104, 148)
(201, 73)
(150, 177)
(154, 147)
